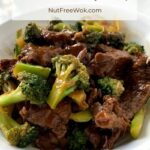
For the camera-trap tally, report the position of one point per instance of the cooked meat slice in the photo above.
(105, 48)
(56, 120)
(94, 137)
(134, 98)
(137, 87)
(56, 38)
(92, 95)
(110, 116)
(49, 141)
(110, 141)
(75, 49)
(7, 64)
(39, 55)
(113, 63)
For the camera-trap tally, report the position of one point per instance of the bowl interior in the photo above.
(137, 31)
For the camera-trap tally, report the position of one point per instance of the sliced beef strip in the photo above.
(7, 64)
(110, 116)
(49, 141)
(95, 138)
(137, 87)
(39, 55)
(56, 120)
(42, 55)
(112, 63)
(57, 38)
(75, 49)
(93, 95)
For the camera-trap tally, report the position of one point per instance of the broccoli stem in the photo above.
(39, 70)
(16, 134)
(137, 123)
(58, 92)
(12, 97)
(82, 116)
(7, 122)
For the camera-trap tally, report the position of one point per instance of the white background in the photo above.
(5, 8)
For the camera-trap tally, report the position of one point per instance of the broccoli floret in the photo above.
(16, 134)
(92, 39)
(115, 40)
(32, 33)
(70, 75)
(77, 139)
(32, 87)
(62, 26)
(78, 26)
(111, 86)
(52, 23)
(133, 48)
(6, 83)
(57, 25)
(39, 70)
(29, 137)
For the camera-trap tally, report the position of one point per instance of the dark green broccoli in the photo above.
(133, 48)
(111, 86)
(32, 87)
(92, 39)
(52, 23)
(70, 75)
(39, 70)
(16, 134)
(115, 40)
(32, 34)
(78, 26)
(17, 50)
(77, 139)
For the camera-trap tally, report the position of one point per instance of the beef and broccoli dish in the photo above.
(73, 87)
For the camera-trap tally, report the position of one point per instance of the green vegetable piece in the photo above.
(77, 139)
(137, 123)
(62, 26)
(6, 83)
(29, 137)
(19, 33)
(78, 26)
(32, 33)
(79, 97)
(39, 70)
(111, 86)
(32, 87)
(92, 28)
(17, 50)
(82, 116)
(133, 48)
(70, 75)
(16, 133)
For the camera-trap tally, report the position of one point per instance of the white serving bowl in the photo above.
(138, 31)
